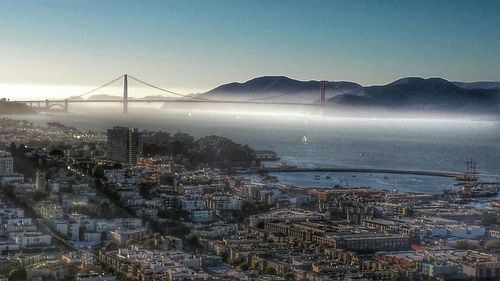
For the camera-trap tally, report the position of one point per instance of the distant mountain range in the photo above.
(279, 88)
(410, 93)
(478, 85)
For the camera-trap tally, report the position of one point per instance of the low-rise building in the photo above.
(32, 239)
(366, 242)
(202, 215)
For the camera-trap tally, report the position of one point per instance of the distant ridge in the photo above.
(478, 85)
(277, 87)
(104, 97)
(409, 93)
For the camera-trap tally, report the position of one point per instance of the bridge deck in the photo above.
(168, 101)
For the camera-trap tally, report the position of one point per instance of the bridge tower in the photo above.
(125, 94)
(66, 106)
(322, 99)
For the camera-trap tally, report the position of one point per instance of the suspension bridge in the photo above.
(63, 104)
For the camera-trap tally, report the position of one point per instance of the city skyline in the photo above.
(283, 140)
(65, 49)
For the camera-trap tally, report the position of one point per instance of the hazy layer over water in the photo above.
(438, 145)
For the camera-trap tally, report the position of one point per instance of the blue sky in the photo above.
(197, 45)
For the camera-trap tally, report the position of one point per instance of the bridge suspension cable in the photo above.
(265, 98)
(165, 90)
(98, 88)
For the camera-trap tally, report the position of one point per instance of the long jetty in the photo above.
(358, 170)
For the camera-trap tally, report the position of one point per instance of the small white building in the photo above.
(202, 215)
(96, 277)
(107, 225)
(224, 203)
(92, 237)
(18, 225)
(115, 175)
(50, 210)
(74, 231)
(11, 178)
(33, 239)
(61, 226)
(123, 235)
(54, 186)
(190, 204)
(7, 246)
(433, 231)
(466, 231)
(440, 268)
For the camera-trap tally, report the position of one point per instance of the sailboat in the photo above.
(304, 139)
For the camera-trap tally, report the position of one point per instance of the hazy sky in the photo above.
(69, 46)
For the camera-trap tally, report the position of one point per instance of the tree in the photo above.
(489, 218)
(13, 148)
(193, 241)
(112, 246)
(145, 191)
(182, 231)
(464, 245)
(57, 153)
(492, 244)
(175, 215)
(237, 261)
(98, 171)
(249, 208)
(222, 152)
(178, 147)
(225, 256)
(18, 274)
(270, 271)
(105, 210)
(289, 276)
(183, 137)
(130, 243)
(244, 266)
(39, 196)
(7, 107)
